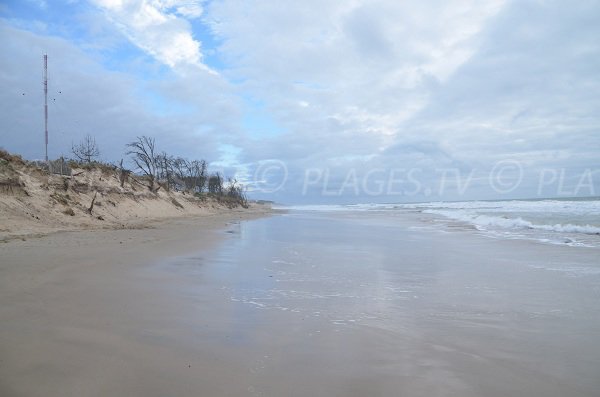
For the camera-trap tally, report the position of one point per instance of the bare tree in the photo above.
(123, 174)
(237, 192)
(190, 174)
(178, 164)
(142, 152)
(215, 184)
(165, 171)
(91, 207)
(86, 150)
(196, 175)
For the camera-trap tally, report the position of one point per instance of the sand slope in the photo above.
(34, 202)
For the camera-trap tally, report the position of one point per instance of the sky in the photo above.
(319, 101)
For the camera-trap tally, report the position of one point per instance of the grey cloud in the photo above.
(525, 90)
(84, 97)
(354, 86)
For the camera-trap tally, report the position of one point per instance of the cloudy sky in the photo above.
(319, 101)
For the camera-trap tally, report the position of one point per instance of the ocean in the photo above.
(574, 221)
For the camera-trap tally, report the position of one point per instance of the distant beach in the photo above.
(319, 303)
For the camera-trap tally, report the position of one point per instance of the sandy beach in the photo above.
(357, 198)
(297, 304)
(78, 316)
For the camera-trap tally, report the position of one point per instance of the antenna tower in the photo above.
(46, 103)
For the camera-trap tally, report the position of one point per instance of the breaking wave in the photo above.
(575, 222)
(483, 221)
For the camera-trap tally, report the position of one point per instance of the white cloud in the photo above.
(444, 83)
(161, 28)
(190, 9)
(369, 65)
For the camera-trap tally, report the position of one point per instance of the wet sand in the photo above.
(82, 316)
(295, 305)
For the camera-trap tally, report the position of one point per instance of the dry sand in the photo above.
(34, 202)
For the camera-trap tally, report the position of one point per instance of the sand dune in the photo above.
(35, 202)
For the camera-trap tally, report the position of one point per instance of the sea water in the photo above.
(574, 221)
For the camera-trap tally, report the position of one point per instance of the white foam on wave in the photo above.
(571, 207)
(574, 222)
(512, 223)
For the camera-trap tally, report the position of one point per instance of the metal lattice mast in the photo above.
(46, 103)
